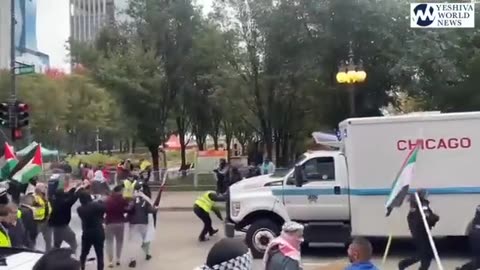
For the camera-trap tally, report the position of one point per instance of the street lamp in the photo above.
(350, 73)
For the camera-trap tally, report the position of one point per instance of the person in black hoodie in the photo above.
(474, 239)
(424, 252)
(62, 203)
(91, 213)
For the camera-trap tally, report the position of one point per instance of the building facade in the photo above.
(26, 50)
(4, 34)
(88, 17)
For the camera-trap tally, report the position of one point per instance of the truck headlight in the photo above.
(235, 208)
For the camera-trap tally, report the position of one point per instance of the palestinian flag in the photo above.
(402, 182)
(8, 161)
(29, 166)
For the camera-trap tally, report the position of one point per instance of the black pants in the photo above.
(207, 222)
(423, 254)
(475, 260)
(96, 240)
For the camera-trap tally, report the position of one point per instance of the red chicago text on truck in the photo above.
(432, 144)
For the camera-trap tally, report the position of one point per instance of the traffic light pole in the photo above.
(13, 85)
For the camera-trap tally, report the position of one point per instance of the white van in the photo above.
(18, 258)
(340, 194)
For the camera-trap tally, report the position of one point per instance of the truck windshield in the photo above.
(281, 172)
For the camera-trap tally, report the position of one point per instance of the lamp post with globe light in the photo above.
(350, 74)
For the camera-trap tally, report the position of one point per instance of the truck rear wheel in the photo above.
(259, 235)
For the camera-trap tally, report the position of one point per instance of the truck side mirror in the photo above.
(298, 176)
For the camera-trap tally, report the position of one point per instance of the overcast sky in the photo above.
(53, 29)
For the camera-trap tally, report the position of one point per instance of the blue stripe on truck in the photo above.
(368, 191)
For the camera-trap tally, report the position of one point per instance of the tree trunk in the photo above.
(200, 141)
(284, 149)
(228, 140)
(278, 155)
(181, 137)
(215, 141)
(153, 148)
(267, 140)
(134, 145)
(201, 145)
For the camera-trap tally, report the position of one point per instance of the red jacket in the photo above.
(115, 209)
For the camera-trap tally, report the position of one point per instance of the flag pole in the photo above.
(387, 249)
(429, 233)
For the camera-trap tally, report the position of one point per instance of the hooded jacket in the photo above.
(138, 211)
(362, 266)
(415, 220)
(62, 204)
(91, 213)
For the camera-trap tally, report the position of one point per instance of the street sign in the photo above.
(22, 70)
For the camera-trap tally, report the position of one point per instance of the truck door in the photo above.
(323, 196)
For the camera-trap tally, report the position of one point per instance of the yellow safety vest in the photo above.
(144, 165)
(205, 202)
(5, 239)
(128, 188)
(40, 211)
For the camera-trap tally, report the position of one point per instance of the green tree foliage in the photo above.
(266, 69)
(64, 112)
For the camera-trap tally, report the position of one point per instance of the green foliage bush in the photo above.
(95, 159)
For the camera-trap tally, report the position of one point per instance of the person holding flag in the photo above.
(419, 210)
(424, 252)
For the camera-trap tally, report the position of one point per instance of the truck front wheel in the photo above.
(259, 235)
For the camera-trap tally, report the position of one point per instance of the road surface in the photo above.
(176, 247)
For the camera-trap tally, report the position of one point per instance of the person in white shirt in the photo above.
(267, 167)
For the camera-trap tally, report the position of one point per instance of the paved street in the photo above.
(176, 247)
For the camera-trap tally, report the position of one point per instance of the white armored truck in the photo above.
(340, 194)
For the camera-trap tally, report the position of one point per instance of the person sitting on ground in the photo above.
(360, 255)
(228, 254)
(283, 253)
(57, 259)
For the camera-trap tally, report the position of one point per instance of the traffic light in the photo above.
(17, 134)
(22, 113)
(4, 114)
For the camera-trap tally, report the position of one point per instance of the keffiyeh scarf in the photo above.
(243, 262)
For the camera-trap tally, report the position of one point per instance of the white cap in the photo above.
(292, 226)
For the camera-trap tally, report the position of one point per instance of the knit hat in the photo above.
(229, 254)
(291, 227)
